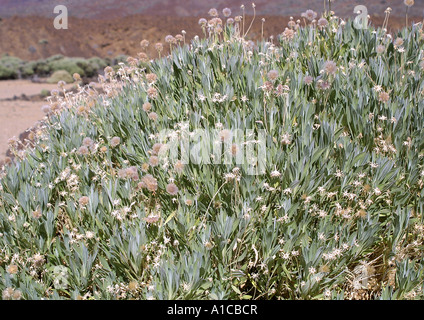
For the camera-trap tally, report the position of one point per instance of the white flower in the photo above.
(275, 173)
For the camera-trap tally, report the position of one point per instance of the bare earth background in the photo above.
(18, 112)
(108, 28)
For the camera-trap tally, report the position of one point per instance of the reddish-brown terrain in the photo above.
(111, 37)
(107, 9)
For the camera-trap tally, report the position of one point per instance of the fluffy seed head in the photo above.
(153, 161)
(152, 93)
(380, 49)
(12, 269)
(308, 80)
(172, 189)
(409, 3)
(398, 42)
(179, 166)
(272, 75)
(213, 12)
(37, 214)
(88, 142)
(226, 12)
(159, 46)
(83, 201)
(83, 151)
(153, 116)
(225, 135)
(330, 67)
(144, 44)
(115, 141)
(148, 182)
(46, 108)
(156, 148)
(310, 15)
(383, 96)
(322, 22)
(147, 106)
(151, 77)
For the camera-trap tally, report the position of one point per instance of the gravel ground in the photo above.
(19, 114)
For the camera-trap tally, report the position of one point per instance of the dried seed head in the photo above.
(322, 22)
(88, 142)
(83, 201)
(225, 135)
(226, 12)
(409, 3)
(145, 167)
(172, 189)
(153, 161)
(272, 75)
(398, 42)
(152, 93)
(148, 182)
(12, 269)
(179, 166)
(7, 293)
(156, 148)
(115, 141)
(309, 14)
(330, 67)
(151, 77)
(159, 46)
(144, 44)
(308, 80)
(234, 149)
(380, 49)
(213, 12)
(37, 214)
(383, 96)
(46, 108)
(153, 116)
(147, 106)
(83, 151)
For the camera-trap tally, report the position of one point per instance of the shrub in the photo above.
(9, 67)
(326, 202)
(97, 63)
(60, 75)
(71, 65)
(45, 93)
(12, 67)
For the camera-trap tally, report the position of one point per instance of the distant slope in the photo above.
(32, 38)
(107, 9)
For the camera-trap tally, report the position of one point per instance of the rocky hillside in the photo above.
(107, 9)
(115, 36)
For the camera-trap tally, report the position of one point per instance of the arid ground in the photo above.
(20, 107)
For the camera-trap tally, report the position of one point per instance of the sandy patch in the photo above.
(16, 116)
(11, 88)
